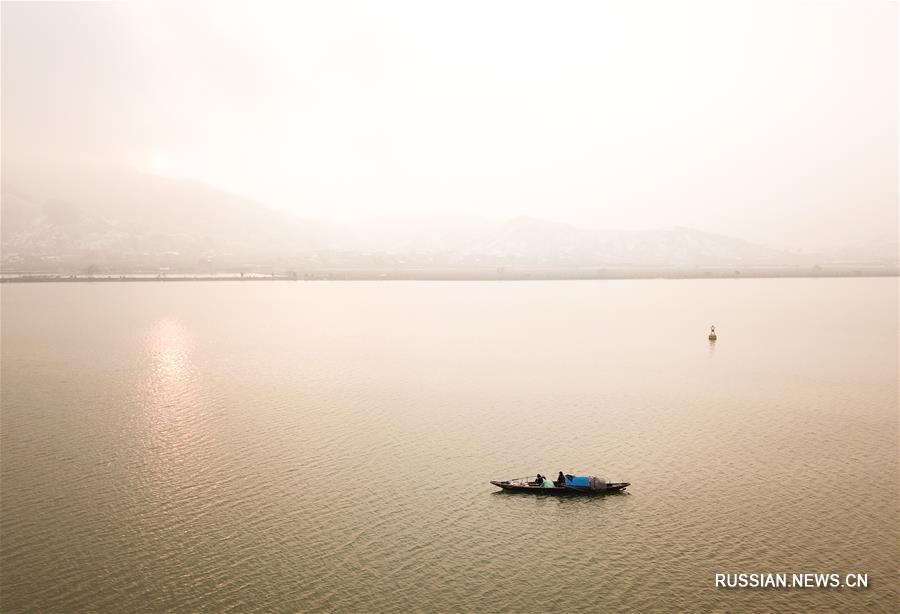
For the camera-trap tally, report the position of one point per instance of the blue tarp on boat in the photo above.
(579, 481)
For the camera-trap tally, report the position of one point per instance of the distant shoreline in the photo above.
(457, 275)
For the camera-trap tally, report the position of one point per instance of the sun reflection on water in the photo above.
(171, 399)
(169, 348)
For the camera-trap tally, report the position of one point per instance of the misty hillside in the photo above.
(547, 243)
(113, 216)
(120, 220)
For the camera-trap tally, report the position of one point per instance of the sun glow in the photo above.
(159, 162)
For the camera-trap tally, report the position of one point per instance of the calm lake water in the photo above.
(291, 446)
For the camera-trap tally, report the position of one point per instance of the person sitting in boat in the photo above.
(548, 483)
(560, 480)
(539, 481)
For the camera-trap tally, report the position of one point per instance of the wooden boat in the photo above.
(575, 485)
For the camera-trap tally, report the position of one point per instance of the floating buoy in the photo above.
(712, 333)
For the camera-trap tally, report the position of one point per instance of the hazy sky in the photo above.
(773, 122)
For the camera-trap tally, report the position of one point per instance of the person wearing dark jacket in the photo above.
(560, 480)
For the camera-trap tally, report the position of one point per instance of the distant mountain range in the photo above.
(123, 221)
(118, 214)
